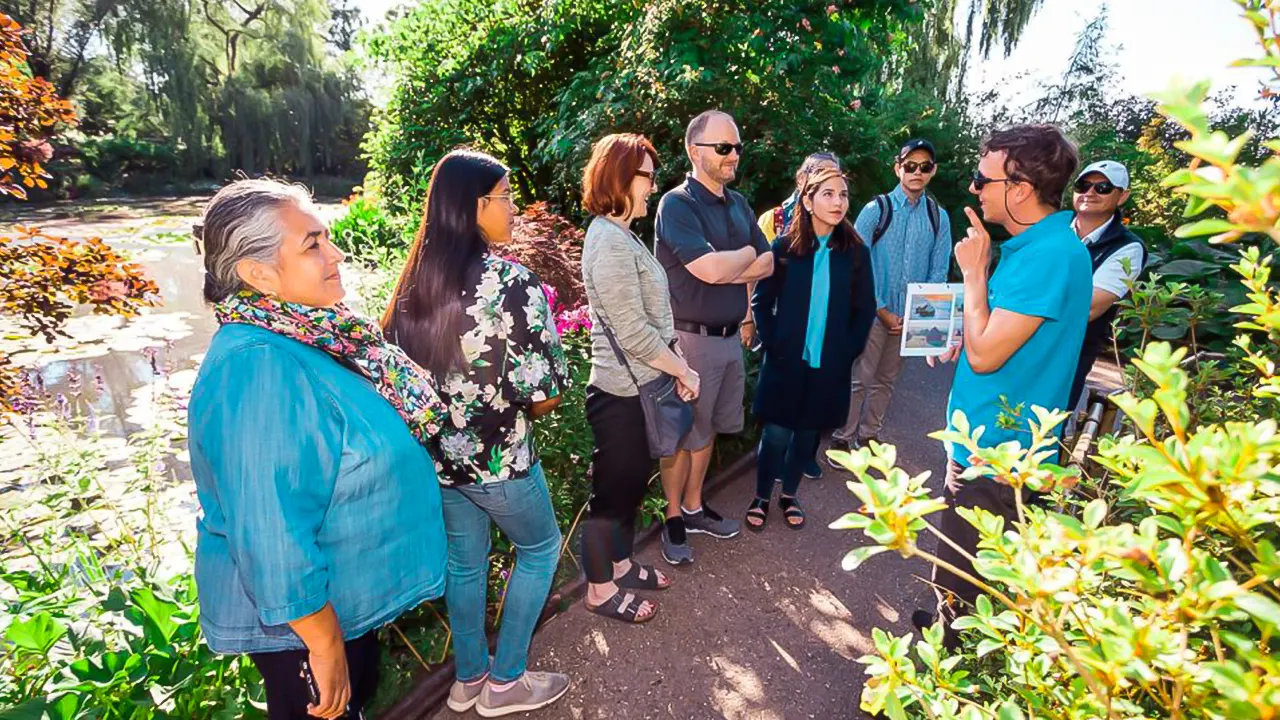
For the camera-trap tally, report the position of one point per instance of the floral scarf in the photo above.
(350, 338)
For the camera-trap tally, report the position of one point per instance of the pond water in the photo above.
(119, 380)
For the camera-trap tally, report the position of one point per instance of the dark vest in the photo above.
(1098, 336)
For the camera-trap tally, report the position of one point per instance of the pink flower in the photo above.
(831, 10)
(568, 321)
(552, 296)
(835, 69)
(807, 26)
(856, 104)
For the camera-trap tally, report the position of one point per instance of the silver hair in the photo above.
(243, 222)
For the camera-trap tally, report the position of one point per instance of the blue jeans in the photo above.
(522, 509)
(784, 453)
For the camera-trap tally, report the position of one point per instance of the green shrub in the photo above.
(368, 233)
(110, 158)
(537, 85)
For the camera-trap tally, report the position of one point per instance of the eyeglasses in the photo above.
(503, 196)
(980, 181)
(1102, 187)
(652, 177)
(912, 166)
(722, 148)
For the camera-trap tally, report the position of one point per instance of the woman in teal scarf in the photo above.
(321, 511)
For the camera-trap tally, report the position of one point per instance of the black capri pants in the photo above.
(620, 471)
(287, 694)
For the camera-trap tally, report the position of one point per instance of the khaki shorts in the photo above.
(723, 376)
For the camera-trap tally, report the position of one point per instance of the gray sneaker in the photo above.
(463, 696)
(532, 691)
(675, 554)
(710, 522)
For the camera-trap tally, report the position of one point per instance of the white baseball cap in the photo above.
(1111, 170)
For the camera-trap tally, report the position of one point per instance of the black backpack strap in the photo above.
(886, 216)
(935, 218)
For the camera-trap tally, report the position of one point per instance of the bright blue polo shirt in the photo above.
(1044, 272)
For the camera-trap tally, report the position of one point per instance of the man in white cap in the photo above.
(1117, 254)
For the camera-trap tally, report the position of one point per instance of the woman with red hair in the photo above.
(627, 293)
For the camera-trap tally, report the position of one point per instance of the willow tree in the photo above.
(956, 31)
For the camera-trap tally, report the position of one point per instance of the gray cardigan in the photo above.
(628, 286)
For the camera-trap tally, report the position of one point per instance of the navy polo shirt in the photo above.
(693, 221)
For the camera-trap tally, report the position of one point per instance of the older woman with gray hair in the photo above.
(321, 510)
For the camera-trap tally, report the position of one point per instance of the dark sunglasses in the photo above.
(925, 167)
(1102, 187)
(722, 148)
(980, 181)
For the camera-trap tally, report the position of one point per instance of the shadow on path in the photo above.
(764, 626)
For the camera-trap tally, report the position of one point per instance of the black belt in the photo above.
(707, 330)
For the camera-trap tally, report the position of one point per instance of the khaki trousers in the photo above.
(875, 372)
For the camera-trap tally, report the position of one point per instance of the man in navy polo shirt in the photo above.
(1023, 327)
(713, 250)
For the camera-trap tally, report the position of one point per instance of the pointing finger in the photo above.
(973, 217)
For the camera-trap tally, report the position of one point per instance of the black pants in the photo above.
(956, 595)
(287, 696)
(620, 471)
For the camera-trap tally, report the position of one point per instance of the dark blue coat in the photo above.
(791, 393)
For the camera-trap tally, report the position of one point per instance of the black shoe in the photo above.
(813, 471)
(841, 445)
(923, 619)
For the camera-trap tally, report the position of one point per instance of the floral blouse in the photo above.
(514, 359)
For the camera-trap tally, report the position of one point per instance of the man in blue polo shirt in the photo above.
(1023, 327)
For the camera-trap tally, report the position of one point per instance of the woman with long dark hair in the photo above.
(813, 314)
(482, 329)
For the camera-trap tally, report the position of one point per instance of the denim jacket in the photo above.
(312, 491)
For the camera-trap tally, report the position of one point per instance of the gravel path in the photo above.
(763, 626)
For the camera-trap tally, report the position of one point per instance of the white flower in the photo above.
(464, 390)
(458, 446)
(458, 414)
(533, 310)
(499, 403)
(490, 285)
(520, 461)
(530, 370)
(473, 346)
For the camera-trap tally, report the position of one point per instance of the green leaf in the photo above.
(988, 646)
(1095, 512)
(1212, 226)
(1268, 61)
(851, 521)
(39, 634)
(1009, 711)
(157, 612)
(1261, 608)
(1190, 268)
(1229, 680)
(859, 555)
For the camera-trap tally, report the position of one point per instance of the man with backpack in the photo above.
(910, 239)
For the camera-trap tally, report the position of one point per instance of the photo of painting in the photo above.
(934, 319)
